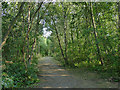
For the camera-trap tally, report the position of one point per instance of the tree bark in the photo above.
(12, 24)
(30, 58)
(29, 27)
(119, 28)
(21, 49)
(95, 34)
(72, 36)
(33, 45)
(59, 42)
(27, 32)
(65, 38)
(33, 19)
(72, 39)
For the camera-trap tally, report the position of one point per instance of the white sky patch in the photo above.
(46, 33)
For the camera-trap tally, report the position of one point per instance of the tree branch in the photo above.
(12, 24)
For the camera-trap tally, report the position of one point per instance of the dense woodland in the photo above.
(83, 34)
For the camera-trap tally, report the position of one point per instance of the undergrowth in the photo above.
(16, 75)
(107, 71)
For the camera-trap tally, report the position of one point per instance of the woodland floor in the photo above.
(53, 75)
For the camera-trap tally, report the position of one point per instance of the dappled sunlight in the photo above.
(47, 64)
(47, 87)
(56, 75)
(58, 45)
(54, 69)
(54, 87)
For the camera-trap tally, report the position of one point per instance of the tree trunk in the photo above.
(95, 34)
(22, 50)
(59, 42)
(33, 45)
(72, 36)
(65, 40)
(27, 32)
(33, 16)
(72, 39)
(30, 58)
(29, 27)
(12, 24)
(119, 28)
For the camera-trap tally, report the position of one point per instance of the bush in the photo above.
(17, 75)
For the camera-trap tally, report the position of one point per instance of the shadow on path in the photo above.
(52, 75)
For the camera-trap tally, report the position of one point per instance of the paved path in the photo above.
(52, 75)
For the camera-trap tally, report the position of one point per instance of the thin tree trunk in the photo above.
(37, 28)
(33, 16)
(33, 19)
(72, 35)
(59, 42)
(38, 19)
(22, 50)
(119, 28)
(27, 32)
(72, 39)
(33, 45)
(30, 58)
(65, 39)
(95, 34)
(12, 24)
(29, 27)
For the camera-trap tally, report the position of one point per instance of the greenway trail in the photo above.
(53, 75)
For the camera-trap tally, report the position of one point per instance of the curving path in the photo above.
(52, 75)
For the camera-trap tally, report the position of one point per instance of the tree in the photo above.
(95, 34)
(119, 27)
(11, 24)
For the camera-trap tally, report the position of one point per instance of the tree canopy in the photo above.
(83, 34)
